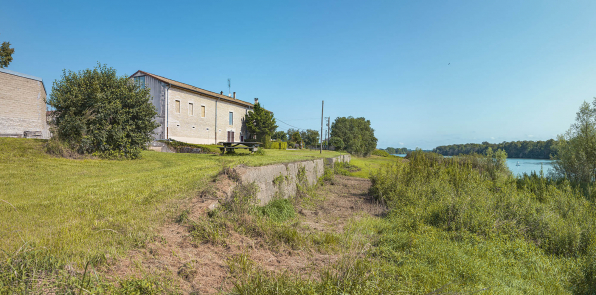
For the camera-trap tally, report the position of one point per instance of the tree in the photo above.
(337, 143)
(261, 123)
(280, 135)
(5, 54)
(356, 133)
(296, 137)
(100, 113)
(310, 137)
(576, 149)
(390, 150)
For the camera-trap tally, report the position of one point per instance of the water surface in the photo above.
(525, 165)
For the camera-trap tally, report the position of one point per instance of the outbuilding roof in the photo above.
(191, 88)
(24, 76)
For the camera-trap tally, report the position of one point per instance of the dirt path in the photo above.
(203, 268)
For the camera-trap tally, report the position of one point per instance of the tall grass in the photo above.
(461, 225)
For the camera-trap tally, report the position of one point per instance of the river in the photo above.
(525, 165)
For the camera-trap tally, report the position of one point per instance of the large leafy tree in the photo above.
(5, 54)
(260, 122)
(576, 149)
(310, 137)
(356, 133)
(98, 112)
(280, 135)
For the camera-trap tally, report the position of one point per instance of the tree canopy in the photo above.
(5, 54)
(356, 133)
(99, 113)
(514, 149)
(310, 137)
(260, 122)
(280, 135)
(576, 149)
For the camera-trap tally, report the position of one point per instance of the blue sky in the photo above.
(426, 73)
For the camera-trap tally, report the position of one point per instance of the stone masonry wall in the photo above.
(22, 105)
(281, 179)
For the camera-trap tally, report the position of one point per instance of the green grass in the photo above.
(371, 164)
(457, 226)
(77, 209)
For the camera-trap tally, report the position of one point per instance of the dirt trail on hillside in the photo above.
(203, 268)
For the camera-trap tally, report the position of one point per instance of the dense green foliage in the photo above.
(337, 142)
(380, 153)
(179, 145)
(280, 135)
(5, 54)
(514, 149)
(280, 145)
(261, 123)
(98, 112)
(310, 137)
(356, 133)
(394, 151)
(576, 149)
(474, 202)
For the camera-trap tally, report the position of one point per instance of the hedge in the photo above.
(279, 145)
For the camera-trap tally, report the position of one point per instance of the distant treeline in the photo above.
(514, 149)
(397, 150)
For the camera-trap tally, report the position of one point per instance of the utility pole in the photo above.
(321, 146)
(328, 131)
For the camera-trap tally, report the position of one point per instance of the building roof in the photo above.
(24, 76)
(184, 86)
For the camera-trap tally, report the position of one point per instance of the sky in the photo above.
(425, 73)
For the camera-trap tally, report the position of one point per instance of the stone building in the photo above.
(22, 105)
(190, 114)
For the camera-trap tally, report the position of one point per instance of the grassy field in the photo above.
(370, 165)
(82, 209)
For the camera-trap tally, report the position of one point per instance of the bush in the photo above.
(266, 140)
(380, 153)
(100, 113)
(279, 145)
(179, 145)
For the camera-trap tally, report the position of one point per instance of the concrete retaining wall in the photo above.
(280, 180)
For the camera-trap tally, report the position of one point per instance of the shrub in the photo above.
(279, 145)
(100, 113)
(380, 153)
(178, 146)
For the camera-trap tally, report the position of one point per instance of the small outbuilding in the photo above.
(22, 106)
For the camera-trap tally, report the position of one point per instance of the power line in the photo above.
(289, 124)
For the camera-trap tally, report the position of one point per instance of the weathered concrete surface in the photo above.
(341, 158)
(281, 179)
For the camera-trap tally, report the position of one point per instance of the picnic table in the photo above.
(229, 146)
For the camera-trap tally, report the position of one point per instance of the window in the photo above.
(177, 107)
(202, 111)
(191, 111)
(140, 81)
(231, 118)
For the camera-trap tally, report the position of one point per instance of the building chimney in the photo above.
(221, 93)
(234, 94)
(256, 100)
